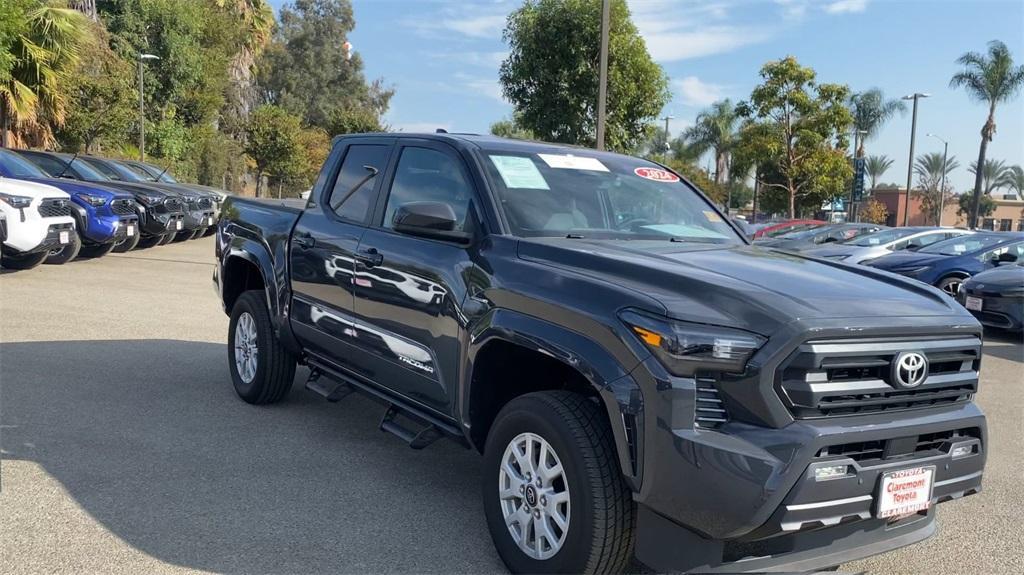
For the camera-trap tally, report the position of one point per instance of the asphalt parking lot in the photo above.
(125, 450)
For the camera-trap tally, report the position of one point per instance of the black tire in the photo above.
(128, 244)
(602, 514)
(66, 253)
(24, 261)
(150, 241)
(275, 365)
(209, 231)
(950, 285)
(167, 238)
(96, 250)
(197, 233)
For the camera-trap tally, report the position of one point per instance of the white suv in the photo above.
(39, 224)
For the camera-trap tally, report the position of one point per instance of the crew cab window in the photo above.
(425, 175)
(1016, 249)
(51, 166)
(352, 196)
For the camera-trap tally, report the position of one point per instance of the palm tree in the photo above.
(715, 130)
(1013, 179)
(870, 112)
(929, 169)
(876, 166)
(990, 78)
(45, 53)
(991, 174)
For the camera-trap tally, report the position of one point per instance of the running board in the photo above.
(333, 384)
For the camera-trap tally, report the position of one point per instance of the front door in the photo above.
(324, 244)
(409, 290)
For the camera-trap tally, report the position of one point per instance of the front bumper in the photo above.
(196, 220)
(158, 224)
(999, 312)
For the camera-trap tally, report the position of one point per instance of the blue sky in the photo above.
(442, 57)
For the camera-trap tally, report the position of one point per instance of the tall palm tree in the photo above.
(991, 174)
(871, 110)
(1013, 179)
(991, 78)
(929, 169)
(715, 131)
(45, 53)
(875, 166)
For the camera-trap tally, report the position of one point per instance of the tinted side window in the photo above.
(352, 196)
(106, 171)
(47, 164)
(931, 239)
(425, 175)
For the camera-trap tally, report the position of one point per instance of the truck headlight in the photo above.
(686, 348)
(95, 201)
(17, 202)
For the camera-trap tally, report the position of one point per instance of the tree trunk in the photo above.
(720, 167)
(792, 203)
(986, 135)
(259, 183)
(4, 125)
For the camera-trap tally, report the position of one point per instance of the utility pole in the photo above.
(910, 163)
(942, 186)
(142, 108)
(668, 146)
(602, 88)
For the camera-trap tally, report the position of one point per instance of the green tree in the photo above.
(874, 212)
(273, 142)
(993, 79)
(876, 167)
(795, 135)
(992, 174)
(43, 43)
(354, 121)
(715, 130)
(871, 110)
(551, 73)
(966, 207)
(511, 128)
(308, 71)
(1013, 180)
(931, 168)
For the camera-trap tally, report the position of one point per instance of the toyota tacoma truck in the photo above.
(38, 221)
(640, 380)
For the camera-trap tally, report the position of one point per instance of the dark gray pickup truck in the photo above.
(640, 380)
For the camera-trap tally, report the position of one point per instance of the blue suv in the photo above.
(106, 219)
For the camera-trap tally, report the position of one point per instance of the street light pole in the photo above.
(910, 163)
(142, 107)
(602, 88)
(942, 186)
(668, 146)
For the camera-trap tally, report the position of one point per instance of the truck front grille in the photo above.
(54, 208)
(173, 205)
(865, 452)
(710, 409)
(205, 204)
(830, 378)
(123, 207)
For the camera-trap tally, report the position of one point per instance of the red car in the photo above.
(786, 227)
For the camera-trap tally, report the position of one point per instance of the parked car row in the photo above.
(976, 267)
(58, 207)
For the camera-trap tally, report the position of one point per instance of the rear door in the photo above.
(409, 290)
(324, 244)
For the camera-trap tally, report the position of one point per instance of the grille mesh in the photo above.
(54, 207)
(123, 207)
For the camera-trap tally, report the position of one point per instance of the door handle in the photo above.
(304, 240)
(370, 257)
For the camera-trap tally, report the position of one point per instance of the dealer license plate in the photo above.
(65, 237)
(177, 224)
(905, 492)
(974, 303)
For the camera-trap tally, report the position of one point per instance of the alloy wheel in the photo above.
(246, 351)
(534, 496)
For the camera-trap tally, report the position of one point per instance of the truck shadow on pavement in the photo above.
(150, 440)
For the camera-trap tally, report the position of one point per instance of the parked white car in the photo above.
(39, 224)
(883, 242)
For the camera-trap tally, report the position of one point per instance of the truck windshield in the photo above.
(19, 167)
(602, 197)
(962, 245)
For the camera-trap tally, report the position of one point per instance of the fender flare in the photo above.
(619, 392)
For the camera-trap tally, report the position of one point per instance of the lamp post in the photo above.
(910, 163)
(602, 87)
(142, 107)
(668, 146)
(942, 186)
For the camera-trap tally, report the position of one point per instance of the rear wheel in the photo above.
(24, 261)
(262, 369)
(554, 498)
(127, 244)
(950, 285)
(96, 250)
(67, 252)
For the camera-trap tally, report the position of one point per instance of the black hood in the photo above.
(1000, 278)
(748, 287)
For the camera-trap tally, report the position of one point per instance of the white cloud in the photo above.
(793, 10)
(683, 45)
(846, 6)
(675, 31)
(474, 21)
(487, 87)
(692, 91)
(470, 58)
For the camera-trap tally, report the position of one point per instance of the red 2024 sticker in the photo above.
(656, 174)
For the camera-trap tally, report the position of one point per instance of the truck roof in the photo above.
(485, 141)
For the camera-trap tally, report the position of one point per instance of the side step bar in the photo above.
(334, 385)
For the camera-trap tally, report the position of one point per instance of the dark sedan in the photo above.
(814, 237)
(996, 297)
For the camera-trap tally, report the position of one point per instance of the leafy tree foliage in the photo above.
(715, 130)
(876, 167)
(992, 174)
(986, 206)
(795, 132)
(273, 143)
(871, 110)
(511, 128)
(1012, 179)
(874, 212)
(930, 169)
(552, 70)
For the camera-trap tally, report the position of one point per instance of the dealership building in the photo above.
(1008, 215)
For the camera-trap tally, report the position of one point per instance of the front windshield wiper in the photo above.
(692, 239)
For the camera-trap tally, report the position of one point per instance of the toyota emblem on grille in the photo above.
(909, 369)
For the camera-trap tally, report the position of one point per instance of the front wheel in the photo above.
(66, 253)
(127, 244)
(96, 250)
(554, 497)
(24, 261)
(262, 369)
(950, 285)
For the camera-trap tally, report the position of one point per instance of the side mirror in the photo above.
(435, 220)
(1006, 258)
(913, 247)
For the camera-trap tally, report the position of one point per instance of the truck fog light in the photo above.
(962, 451)
(830, 472)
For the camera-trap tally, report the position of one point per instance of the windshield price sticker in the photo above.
(570, 162)
(712, 216)
(519, 172)
(656, 174)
